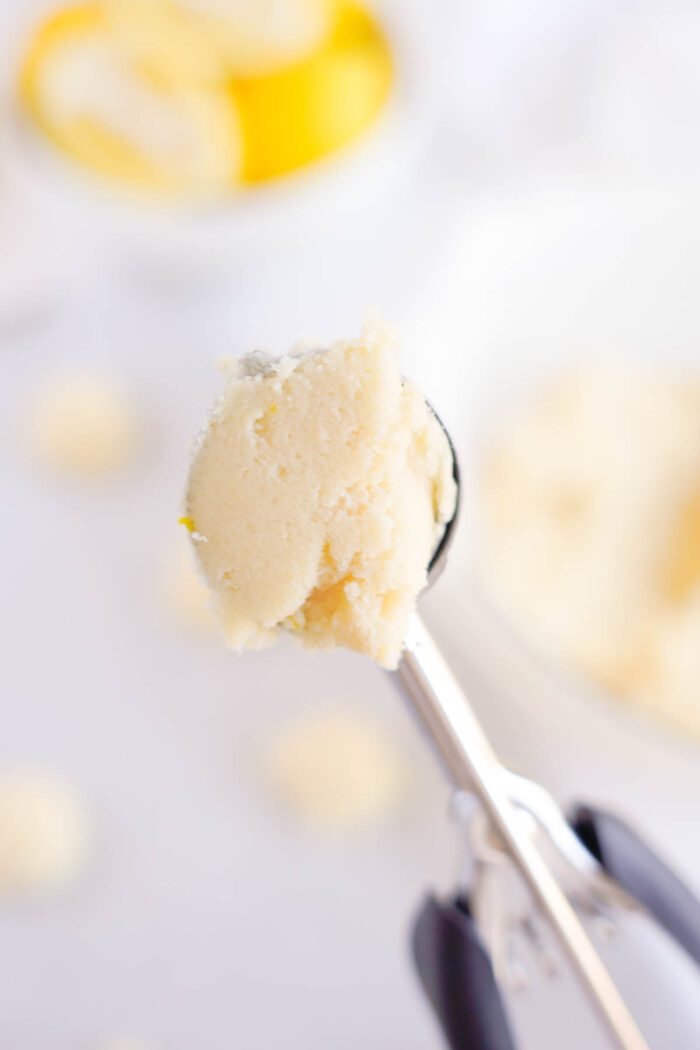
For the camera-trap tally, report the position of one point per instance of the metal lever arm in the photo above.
(444, 711)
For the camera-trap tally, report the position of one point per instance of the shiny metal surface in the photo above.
(444, 711)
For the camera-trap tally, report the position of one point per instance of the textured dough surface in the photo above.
(44, 831)
(590, 529)
(317, 494)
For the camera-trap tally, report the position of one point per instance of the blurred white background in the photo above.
(548, 206)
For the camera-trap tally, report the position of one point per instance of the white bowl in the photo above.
(254, 219)
(531, 282)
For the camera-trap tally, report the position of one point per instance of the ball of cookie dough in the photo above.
(44, 831)
(336, 771)
(83, 424)
(319, 489)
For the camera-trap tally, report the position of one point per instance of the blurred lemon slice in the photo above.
(153, 117)
(318, 105)
(194, 96)
(163, 39)
(259, 37)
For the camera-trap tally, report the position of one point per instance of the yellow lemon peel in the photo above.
(147, 92)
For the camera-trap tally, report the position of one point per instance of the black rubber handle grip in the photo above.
(632, 864)
(457, 977)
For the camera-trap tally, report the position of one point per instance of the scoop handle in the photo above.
(457, 977)
(438, 701)
(640, 871)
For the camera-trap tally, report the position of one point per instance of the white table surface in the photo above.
(206, 919)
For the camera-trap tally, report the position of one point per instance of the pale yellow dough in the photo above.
(317, 494)
(336, 771)
(83, 423)
(44, 831)
(590, 529)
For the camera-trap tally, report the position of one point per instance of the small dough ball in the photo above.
(185, 593)
(337, 771)
(44, 831)
(83, 424)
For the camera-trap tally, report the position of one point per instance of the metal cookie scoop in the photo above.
(444, 711)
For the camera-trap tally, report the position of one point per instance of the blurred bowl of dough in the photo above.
(564, 358)
(197, 129)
